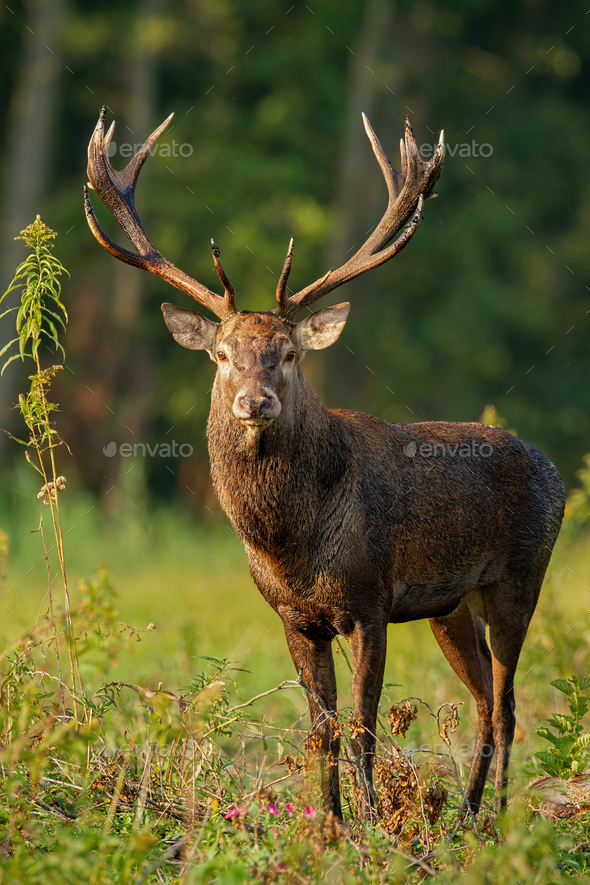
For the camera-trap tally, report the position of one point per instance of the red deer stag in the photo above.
(347, 524)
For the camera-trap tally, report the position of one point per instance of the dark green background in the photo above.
(269, 96)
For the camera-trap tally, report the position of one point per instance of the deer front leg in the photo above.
(368, 644)
(314, 662)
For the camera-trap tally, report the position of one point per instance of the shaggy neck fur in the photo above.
(270, 481)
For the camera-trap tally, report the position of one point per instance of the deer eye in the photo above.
(291, 355)
(221, 356)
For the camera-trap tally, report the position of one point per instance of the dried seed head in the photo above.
(434, 798)
(293, 764)
(399, 792)
(49, 491)
(451, 721)
(356, 727)
(400, 717)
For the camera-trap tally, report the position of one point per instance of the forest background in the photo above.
(485, 316)
(490, 303)
(488, 306)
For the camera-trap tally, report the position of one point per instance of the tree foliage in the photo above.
(488, 305)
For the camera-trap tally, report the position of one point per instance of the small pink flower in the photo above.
(272, 809)
(309, 811)
(289, 808)
(231, 813)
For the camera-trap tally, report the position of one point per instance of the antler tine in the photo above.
(230, 292)
(117, 191)
(117, 188)
(407, 190)
(390, 175)
(282, 299)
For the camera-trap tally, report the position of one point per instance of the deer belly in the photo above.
(412, 602)
(315, 623)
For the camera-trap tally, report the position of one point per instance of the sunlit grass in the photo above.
(191, 582)
(185, 586)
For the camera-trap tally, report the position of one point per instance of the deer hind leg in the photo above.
(368, 645)
(314, 662)
(461, 636)
(508, 621)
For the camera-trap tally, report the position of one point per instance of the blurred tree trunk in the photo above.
(392, 59)
(358, 196)
(356, 192)
(29, 140)
(131, 363)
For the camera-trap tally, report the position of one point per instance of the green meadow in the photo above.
(183, 614)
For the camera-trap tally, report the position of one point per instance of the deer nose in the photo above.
(262, 408)
(255, 405)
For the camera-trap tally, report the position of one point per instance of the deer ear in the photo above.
(322, 328)
(189, 328)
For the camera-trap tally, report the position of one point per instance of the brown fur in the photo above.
(346, 530)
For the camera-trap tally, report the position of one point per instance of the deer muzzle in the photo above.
(259, 409)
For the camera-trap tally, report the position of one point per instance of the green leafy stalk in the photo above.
(41, 308)
(569, 742)
(40, 313)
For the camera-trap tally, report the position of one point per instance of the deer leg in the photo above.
(368, 646)
(461, 636)
(504, 720)
(508, 627)
(314, 662)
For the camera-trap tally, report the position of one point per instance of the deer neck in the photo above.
(300, 428)
(263, 476)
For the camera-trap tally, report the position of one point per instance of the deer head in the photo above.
(257, 353)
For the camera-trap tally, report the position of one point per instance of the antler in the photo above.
(408, 189)
(282, 300)
(228, 288)
(117, 191)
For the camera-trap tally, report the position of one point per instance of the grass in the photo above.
(73, 785)
(191, 581)
(152, 730)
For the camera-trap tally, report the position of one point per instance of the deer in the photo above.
(350, 523)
